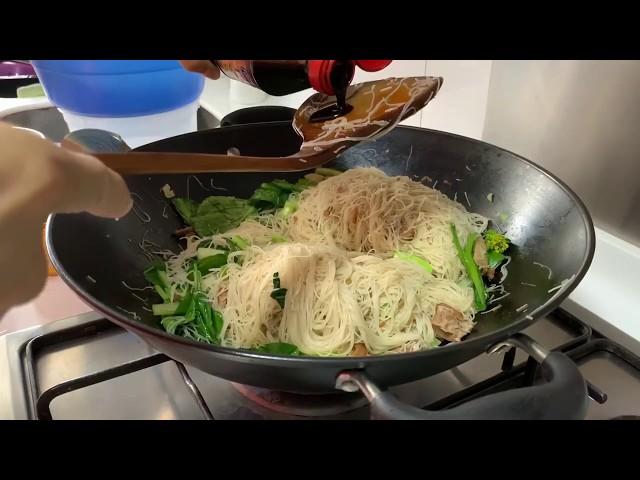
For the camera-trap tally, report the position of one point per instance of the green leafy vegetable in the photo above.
(466, 257)
(278, 293)
(186, 208)
(474, 273)
(305, 183)
(156, 275)
(175, 308)
(268, 197)
(203, 317)
(214, 261)
(418, 260)
(496, 241)
(215, 214)
(314, 178)
(278, 239)
(164, 309)
(288, 187)
(183, 306)
(279, 348)
(239, 242)
(276, 194)
(495, 259)
(217, 324)
(204, 252)
(220, 214)
(193, 317)
(222, 204)
(172, 323)
(236, 243)
(290, 206)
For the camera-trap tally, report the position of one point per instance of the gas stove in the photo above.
(85, 367)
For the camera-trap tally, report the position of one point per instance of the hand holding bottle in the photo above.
(205, 67)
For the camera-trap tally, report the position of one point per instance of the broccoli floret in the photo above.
(496, 241)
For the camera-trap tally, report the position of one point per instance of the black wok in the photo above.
(546, 221)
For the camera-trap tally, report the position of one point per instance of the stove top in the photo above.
(86, 367)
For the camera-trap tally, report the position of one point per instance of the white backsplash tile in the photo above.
(461, 104)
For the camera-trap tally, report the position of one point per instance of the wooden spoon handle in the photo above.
(148, 163)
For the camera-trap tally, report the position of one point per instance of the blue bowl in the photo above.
(118, 88)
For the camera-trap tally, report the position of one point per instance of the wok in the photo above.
(546, 221)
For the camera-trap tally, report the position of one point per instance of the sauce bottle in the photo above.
(283, 77)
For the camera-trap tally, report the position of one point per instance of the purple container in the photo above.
(11, 69)
(14, 75)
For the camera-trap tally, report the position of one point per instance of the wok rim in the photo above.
(520, 322)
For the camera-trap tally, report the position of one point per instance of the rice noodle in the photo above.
(335, 299)
(344, 286)
(365, 210)
(549, 271)
(497, 307)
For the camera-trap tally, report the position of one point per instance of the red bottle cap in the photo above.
(373, 65)
(319, 72)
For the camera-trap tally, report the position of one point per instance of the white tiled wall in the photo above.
(461, 104)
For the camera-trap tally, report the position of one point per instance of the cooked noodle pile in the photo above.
(335, 257)
(365, 210)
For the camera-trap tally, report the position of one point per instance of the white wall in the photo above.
(579, 119)
(461, 105)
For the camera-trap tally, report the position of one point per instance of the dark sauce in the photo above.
(280, 77)
(340, 78)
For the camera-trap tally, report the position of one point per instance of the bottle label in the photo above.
(241, 70)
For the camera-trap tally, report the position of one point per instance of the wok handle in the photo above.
(563, 395)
